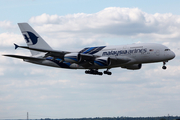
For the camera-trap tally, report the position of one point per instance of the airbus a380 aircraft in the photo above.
(92, 58)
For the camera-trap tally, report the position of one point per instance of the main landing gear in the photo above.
(107, 72)
(96, 72)
(93, 71)
(164, 67)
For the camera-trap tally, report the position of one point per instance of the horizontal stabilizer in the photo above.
(50, 52)
(24, 57)
(16, 46)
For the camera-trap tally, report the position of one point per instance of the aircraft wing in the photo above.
(24, 57)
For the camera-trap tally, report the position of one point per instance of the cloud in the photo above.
(113, 20)
(7, 39)
(7, 25)
(81, 30)
(1, 72)
(115, 24)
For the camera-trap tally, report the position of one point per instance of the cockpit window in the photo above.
(167, 50)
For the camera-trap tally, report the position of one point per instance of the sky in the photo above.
(47, 92)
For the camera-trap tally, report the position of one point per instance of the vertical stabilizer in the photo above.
(32, 38)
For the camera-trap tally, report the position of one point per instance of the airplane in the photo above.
(92, 59)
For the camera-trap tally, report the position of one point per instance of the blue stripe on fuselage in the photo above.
(88, 50)
(92, 50)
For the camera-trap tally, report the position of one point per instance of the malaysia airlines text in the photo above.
(124, 52)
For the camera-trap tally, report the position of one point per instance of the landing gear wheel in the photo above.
(164, 67)
(93, 72)
(107, 72)
(87, 72)
(100, 73)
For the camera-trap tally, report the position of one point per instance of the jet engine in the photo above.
(133, 67)
(72, 57)
(102, 61)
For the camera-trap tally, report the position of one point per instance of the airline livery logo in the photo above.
(29, 36)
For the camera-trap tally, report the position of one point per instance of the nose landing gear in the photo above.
(164, 67)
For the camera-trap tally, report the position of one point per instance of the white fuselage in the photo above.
(137, 53)
(140, 53)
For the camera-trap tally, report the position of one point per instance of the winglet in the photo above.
(16, 46)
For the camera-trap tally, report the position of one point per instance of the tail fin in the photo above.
(32, 38)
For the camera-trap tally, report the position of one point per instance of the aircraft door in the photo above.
(157, 52)
(145, 55)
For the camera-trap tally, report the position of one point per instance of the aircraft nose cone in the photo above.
(172, 55)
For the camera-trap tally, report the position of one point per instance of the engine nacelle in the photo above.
(133, 67)
(102, 61)
(72, 57)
